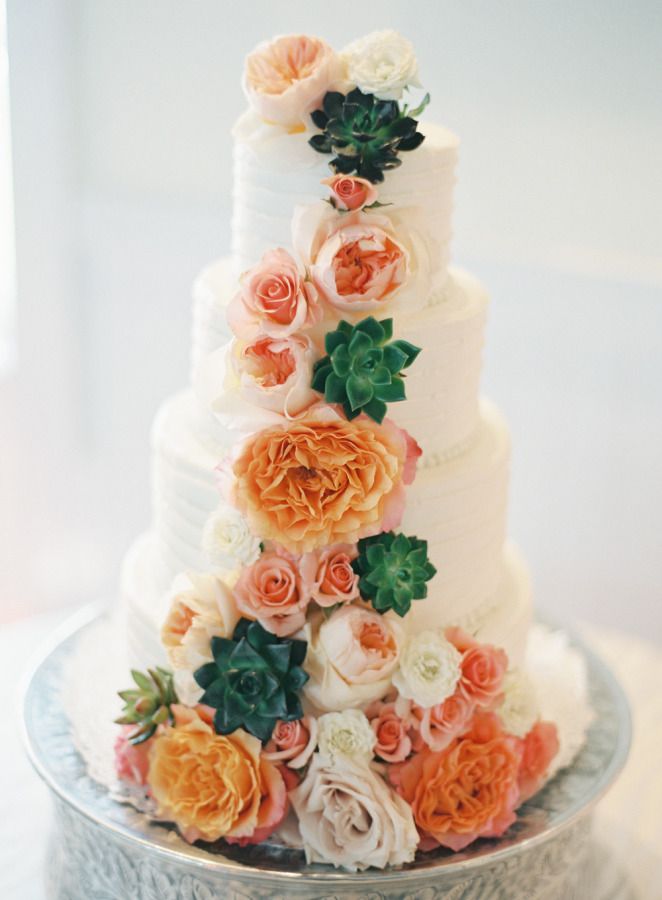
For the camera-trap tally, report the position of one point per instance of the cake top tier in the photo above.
(316, 115)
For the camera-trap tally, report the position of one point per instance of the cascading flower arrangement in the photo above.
(300, 676)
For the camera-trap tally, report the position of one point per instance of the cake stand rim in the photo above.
(96, 610)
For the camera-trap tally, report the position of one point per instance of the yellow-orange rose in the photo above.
(322, 480)
(208, 784)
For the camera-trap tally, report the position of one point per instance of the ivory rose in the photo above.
(349, 192)
(351, 657)
(287, 78)
(347, 733)
(392, 741)
(274, 299)
(382, 63)
(227, 540)
(333, 578)
(200, 607)
(438, 725)
(539, 747)
(211, 785)
(467, 791)
(131, 760)
(429, 669)
(271, 591)
(321, 480)
(349, 817)
(292, 743)
(483, 669)
(518, 711)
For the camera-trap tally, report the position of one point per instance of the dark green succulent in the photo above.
(254, 680)
(148, 705)
(362, 367)
(393, 571)
(366, 134)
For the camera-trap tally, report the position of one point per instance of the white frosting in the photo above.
(441, 410)
(275, 171)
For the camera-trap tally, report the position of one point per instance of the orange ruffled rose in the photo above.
(467, 791)
(211, 785)
(323, 480)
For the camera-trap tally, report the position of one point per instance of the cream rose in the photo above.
(429, 669)
(349, 817)
(519, 709)
(346, 733)
(382, 63)
(200, 607)
(287, 78)
(227, 540)
(351, 657)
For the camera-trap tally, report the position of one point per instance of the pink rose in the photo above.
(274, 298)
(271, 591)
(276, 373)
(349, 192)
(287, 78)
(483, 668)
(292, 743)
(131, 760)
(393, 742)
(333, 579)
(439, 725)
(539, 748)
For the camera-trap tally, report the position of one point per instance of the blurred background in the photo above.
(115, 189)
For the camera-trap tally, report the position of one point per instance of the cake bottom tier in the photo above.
(503, 620)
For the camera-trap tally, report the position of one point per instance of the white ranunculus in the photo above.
(349, 817)
(519, 710)
(227, 540)
(429, 669)
(382, 63)
(201, 607)
(346, 733)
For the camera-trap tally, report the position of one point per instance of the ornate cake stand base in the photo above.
(104, 850)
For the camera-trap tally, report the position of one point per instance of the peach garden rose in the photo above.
(349, 192)
(321, 480)
(271, 591)
(392, 741)
(287, 78)
(483, 669)
(539, 747)
(332, 578)
(438, 725)
(292, 743)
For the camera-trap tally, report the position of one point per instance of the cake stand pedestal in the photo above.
(103, 850)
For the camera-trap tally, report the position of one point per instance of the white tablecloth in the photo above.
(628, 823)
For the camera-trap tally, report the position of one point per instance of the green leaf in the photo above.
(335, 389)
(393, 392)
(376, 409)
(341, 360)
(141, 680)
(359, 343)
(359, 391)
(410, 351)
(334, 339)
(374, 329)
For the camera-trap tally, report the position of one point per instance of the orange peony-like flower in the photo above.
(322, 480)
(211, 785)
(467, 791)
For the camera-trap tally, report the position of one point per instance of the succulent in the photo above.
(362, 367)
(148, 705)
(365, 133)
(254, 680)
(393, 571)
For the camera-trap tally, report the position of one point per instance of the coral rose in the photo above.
(292, 743)
(351, 657)
(322, 480)
(272, 592)
(393, 743)
(467, 791)
(483, 669)
(274, 804)
(274, 298)
(287, 78)
(131, 760)
(438, 725)
(209, 784)
(348, 192)
(333, 578)
(539, 748)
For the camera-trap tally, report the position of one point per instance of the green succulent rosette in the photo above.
(394, 570)
(254, 680)
(365, 133)
(148, 705)
(362, 368)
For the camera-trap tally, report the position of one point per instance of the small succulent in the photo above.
(366, 134)
(362, 368)
(393, 571)
(254, 680)
(148, 705)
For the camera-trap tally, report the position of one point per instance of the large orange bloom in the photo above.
(467, 791)
(322, 480)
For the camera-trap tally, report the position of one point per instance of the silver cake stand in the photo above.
(103, 850)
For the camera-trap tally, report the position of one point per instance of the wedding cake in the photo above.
(328, 625)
